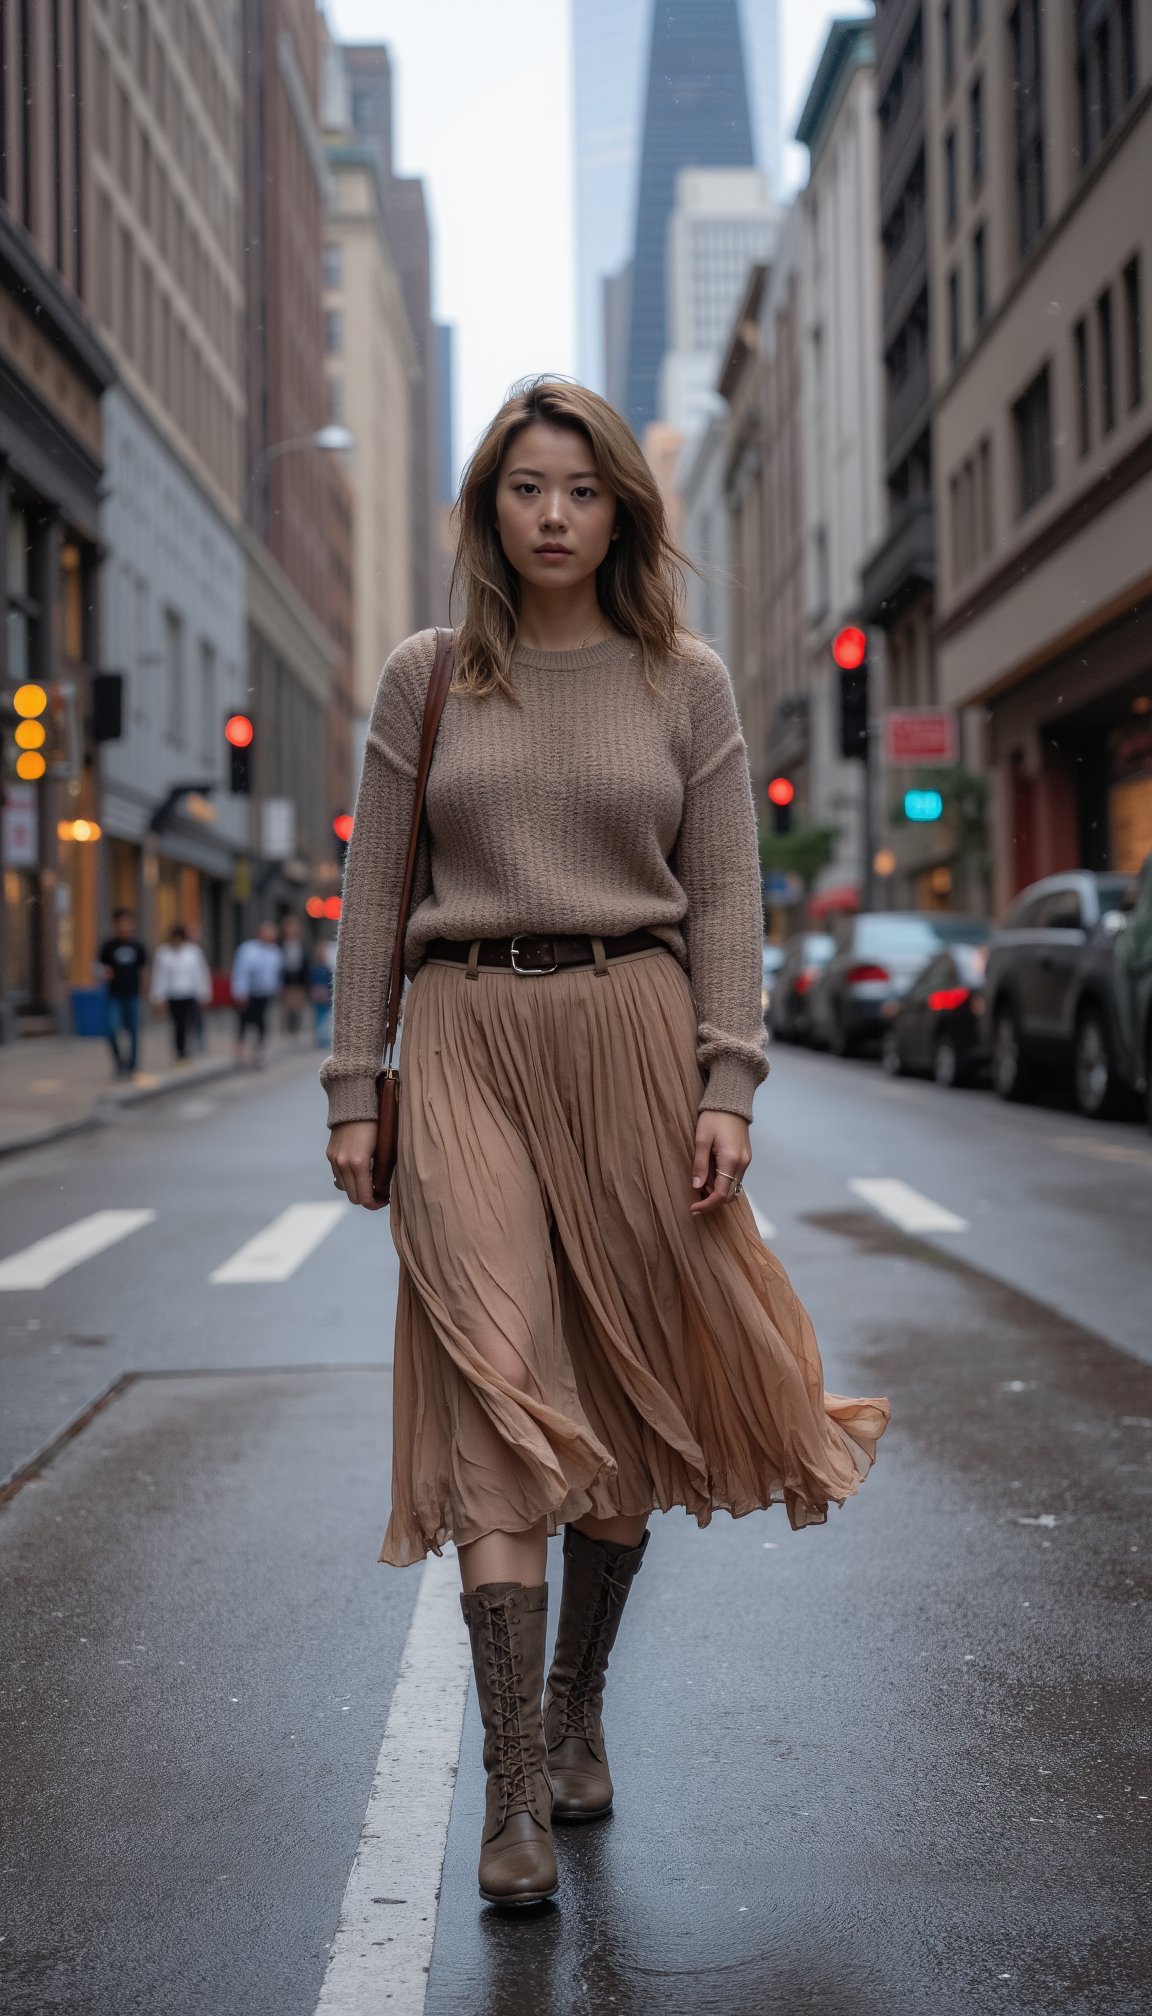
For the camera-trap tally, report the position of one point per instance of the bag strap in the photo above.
(438, 684)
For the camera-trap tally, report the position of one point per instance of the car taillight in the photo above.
(858, 973)
(804, 980)
(947, 997)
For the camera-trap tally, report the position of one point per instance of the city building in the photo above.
(841, 405)
(611, 47)
(723, 222)
(446, 463)
(704, 535)
(897, 587)
(370, 364)
(297, 495)
(763, 487)
(53, 373)
(409, 242)
(165, 168)
(1040, 305)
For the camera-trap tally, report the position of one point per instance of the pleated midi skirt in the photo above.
(569, 1339)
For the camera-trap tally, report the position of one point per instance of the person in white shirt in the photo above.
(257, 975)
(180, 977)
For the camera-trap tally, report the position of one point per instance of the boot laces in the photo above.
(586, 1694)
(504, 1675)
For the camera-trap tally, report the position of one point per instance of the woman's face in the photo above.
(554, 514)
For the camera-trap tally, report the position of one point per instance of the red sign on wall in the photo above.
(920, 735)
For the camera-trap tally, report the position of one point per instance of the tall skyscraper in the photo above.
(612, 47)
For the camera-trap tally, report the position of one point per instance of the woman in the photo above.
(180, 977)
(589, 1325)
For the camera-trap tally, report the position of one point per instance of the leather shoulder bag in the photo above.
(388, 1080)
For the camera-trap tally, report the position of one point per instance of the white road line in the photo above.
(39, 1265)
(276, 1252)
(764, 1225)
(383, 1946)
(906, 1207)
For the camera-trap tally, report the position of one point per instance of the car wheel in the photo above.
(890, 1057)
(1093, 1076)
(1011, 1073)
(946, 1066)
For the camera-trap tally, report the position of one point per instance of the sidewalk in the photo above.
(51, 1086)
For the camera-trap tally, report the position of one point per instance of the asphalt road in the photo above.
(896, 1764)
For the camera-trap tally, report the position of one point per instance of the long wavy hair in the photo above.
(639, 583)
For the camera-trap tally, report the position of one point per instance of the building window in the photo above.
(1083, 386)
(334, 332)
(1107, 71)
(951, 180)
(953, 314)
(336, 401)
(976, 130)
(1028, 89)
(333, 266)
(984, 465)
(975, 19)
(948, 44)
(979, 274)
(208, 722)
(1032, 422)
(1105, 336)
(1133, 332)
(173, 676)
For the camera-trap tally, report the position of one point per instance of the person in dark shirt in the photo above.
(124, 959)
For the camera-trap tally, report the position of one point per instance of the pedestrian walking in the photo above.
(589, 1325)
(181, 980)
(297, 963)
(124, 958)
(256, 974)
(320, 987)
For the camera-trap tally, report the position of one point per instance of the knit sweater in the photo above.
(596, 805)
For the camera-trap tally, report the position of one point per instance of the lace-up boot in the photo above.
(597, 1577)
(507, 1624)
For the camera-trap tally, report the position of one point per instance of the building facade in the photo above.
(1043, 465)
(410, 245)
(166, 171)
(723, 224)
(53, 374)
(842, 408)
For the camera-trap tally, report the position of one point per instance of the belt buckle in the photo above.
(528, 970)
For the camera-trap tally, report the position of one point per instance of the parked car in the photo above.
(806, 954)
(878, 956)
(1050, 993)
(1132, 979)
(771, 960)
(939, 1025)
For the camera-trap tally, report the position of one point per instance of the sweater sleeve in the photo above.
(373, 881)
(717, 864)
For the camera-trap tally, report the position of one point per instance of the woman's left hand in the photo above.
(722, 1145)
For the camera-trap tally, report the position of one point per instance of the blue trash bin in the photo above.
(89, 1011)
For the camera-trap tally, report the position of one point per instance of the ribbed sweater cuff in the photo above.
(351, 1097)
(731, 1087)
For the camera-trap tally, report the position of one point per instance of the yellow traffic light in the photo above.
(29, 735)
(30, 766)
(30, 700)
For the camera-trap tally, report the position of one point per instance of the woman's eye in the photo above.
(582, 490)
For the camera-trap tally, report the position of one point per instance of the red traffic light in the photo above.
(849, 648)
(238, 731)
(332, 909)
(781, 791)
(342, 826)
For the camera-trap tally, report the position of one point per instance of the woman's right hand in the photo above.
(351, 1145)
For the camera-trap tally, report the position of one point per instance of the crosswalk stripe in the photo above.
(764, 1225)
(280, 1248)
(907, 1208)
(37, 1266)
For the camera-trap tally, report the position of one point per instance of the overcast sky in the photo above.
(484, 115)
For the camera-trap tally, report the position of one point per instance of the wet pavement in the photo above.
(896, 1764)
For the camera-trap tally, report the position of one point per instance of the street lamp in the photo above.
(331, 440)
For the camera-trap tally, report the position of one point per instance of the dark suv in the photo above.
(1049, 993)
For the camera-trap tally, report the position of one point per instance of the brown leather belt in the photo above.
(542, 952)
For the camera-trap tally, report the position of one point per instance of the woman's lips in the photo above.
(553, 553)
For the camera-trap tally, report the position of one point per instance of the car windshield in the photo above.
(818, 948)
(1113, 891)
(908, 935)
